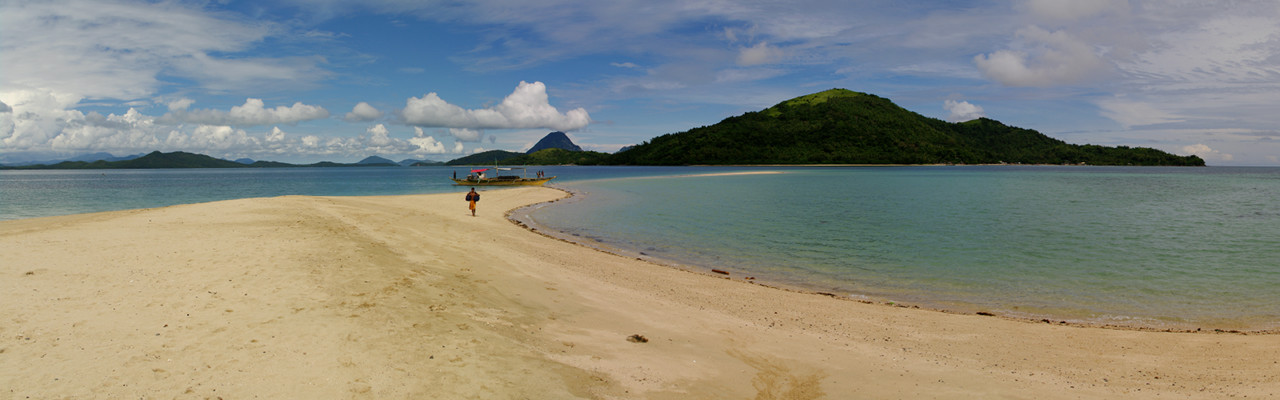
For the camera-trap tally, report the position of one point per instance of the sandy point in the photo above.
(411, 297)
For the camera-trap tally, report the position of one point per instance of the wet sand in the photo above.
(411, 297)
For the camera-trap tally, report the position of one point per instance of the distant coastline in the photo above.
(179, 159)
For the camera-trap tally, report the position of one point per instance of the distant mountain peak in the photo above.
(554, 140)
(376, 160)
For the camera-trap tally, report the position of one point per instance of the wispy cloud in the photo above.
(761, 53)
(124, 49)
(1131, 113)
(1067, 11)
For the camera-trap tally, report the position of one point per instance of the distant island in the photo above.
(550, 156)
(836, 126)
(840, 126)
(180, 159)
(554, 149)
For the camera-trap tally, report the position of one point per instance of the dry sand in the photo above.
(411, 297)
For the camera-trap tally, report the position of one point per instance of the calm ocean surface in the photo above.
(1163, 247)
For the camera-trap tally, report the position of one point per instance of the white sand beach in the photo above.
(412, 297)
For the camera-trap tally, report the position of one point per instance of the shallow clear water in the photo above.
(1163, 247)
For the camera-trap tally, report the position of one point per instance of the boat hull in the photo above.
(502, 182)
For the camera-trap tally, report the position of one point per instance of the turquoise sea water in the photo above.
(1164, 247)
(1177, 248)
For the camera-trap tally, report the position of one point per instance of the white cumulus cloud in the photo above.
(525, 108)
(213, 138)
(363, 112)
(1206, 152)
(377, 140)
(252, 112)
(1046, 59)
(466, 135)
(963, 110)
(378, 136)
(427, 144)
(37, 117)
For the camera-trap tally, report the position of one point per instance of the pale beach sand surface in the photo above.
(411, 297)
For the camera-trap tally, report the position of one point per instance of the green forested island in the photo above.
(836, 126)
(839, 126)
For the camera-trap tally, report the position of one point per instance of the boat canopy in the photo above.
(479, 170)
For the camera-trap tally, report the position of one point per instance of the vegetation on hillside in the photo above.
(839, 126)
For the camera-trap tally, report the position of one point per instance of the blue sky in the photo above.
(338, 80)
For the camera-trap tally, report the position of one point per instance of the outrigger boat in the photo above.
(478, 178)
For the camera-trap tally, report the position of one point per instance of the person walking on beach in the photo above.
(473, 197)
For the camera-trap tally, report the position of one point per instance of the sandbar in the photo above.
(411, 297)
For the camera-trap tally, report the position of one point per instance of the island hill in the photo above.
(836, 126)
(840, 126)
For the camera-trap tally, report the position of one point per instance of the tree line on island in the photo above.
(839, 126)
(836, 126)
